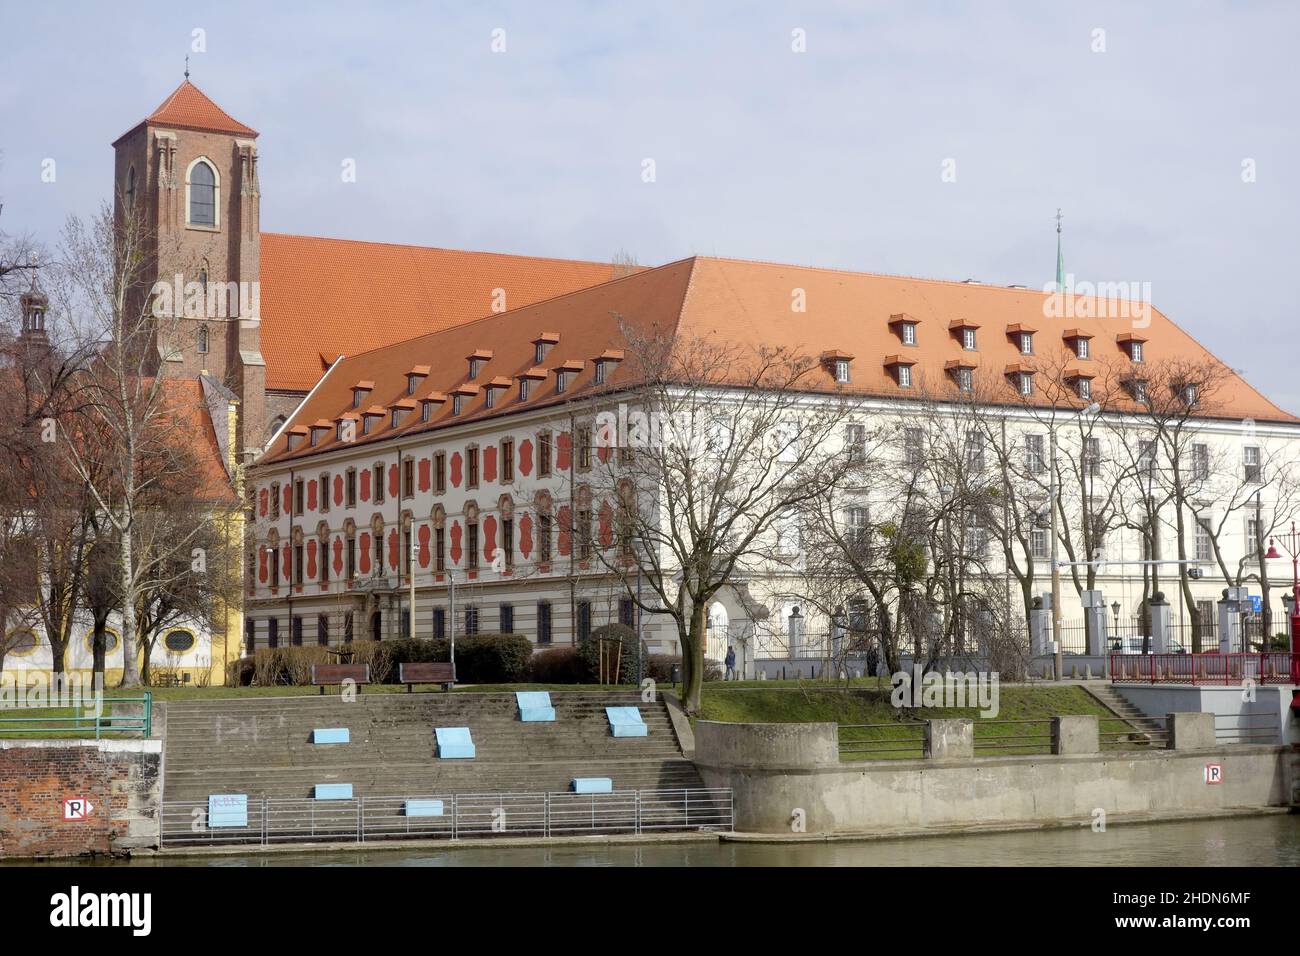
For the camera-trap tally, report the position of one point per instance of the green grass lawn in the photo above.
(902, 735)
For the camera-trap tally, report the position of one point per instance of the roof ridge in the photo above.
(468, 252)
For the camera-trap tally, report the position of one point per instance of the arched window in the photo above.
(203, 339)
(203, 194)
(130, 188)
(277, 423)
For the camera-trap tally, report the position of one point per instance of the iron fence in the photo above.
(460, 815)
(1146, 733)
(107, 715)
(1272, 667)
(1248, 728)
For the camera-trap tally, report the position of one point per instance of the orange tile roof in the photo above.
(738, 301)
(188, 107)
(339, 296)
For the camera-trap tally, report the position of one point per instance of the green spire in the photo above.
(1060, 260)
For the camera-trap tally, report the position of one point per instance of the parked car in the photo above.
(1135, 645)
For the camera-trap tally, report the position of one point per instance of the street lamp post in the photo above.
(1291, 542)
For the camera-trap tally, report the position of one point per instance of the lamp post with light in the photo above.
(1291, 542)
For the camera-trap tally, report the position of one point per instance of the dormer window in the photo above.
(968, 339)
(603, 362)
(414, 377)
(527, 379)
(842, 371)
(1081, 348)
(1135, 351)
(600, 372)
(294, 436)
(523, 389)
(344, 426)
(1188, 393)
(1026, 343)
(395, 418)
(1134, 345)
(318, 429)
(908, 331)
(477, 360)
(543, 344)
(966, 333)
(457, 404)
(965, 379)
(490, 398)
(904, 327)
(839, 364)
(561, 380)
(361, 391)
(1139, 388)
(1083, 387)
(901, 368)
(564, 373)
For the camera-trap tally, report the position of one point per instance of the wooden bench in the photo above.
(426, 673)
(325, 675)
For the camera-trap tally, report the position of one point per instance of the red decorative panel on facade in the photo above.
(311, 559)
(602, 453)
(563, 450)
(489, 538)
(455, 542)
(261, 564)
(288, 499)
(365, 484)
(392, 545)
(425, 468)
(565, 517)
(606, 519)
(526, 457)
(286, 564)
(338, 557)
(363, 556)
(311, 496)
(423, 536)
(262, 498)
(526, 535)
(338, 489)
(456, 463)
(392, 481)
(490, 463)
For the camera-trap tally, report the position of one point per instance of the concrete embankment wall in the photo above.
(121, 779)
(786, 776)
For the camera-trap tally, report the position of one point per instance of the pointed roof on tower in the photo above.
(188, 107)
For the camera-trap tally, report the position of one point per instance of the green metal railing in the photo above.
(80, 724)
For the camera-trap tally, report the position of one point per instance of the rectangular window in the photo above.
(352, 488)
(905, 376)
(1035, 454)
(974, 452)
(966, 379)
(440, 472)
(406, 551)
(855, 438)
(524, 388)
(909, 333)
(352, 558)
(471, 620)
(295, 635)
(584, 620)
(1200, 461)
(913, 453)
(1254, 468)
(1203, 539)
(1084, 388)
(1147, 456)
(627, 612)
(299, 497)
(584, 534)
(439, 623)
(347, 627)
(842, 371)
(297, 564)
(507, 619)
(1081, 348)
(379, 554)
(250, 636)
(584, 448)
(1038, 543)
(507, 460)
(508, 541)
(323, 630)
(273, 632)
(471, 545)
(1137, 352)
(1026, 343)
(408, 478)
(543, 454)
(324, 492)
(968, 339)
(440, 549)
(275, 500)
(1253, 534)
(855, 532)
(543, 622)
(471, 467)
(1026, 384)
(1092, 457)
(544, 538)
(325, 560)
(379, 484)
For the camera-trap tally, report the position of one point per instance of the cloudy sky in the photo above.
(1142, 121)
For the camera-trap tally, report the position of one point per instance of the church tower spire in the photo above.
(1060, 259)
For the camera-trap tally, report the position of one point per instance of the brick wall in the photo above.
(121, 778)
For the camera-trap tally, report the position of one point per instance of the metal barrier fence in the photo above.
(1148, 733)
(1022, 736)
(897, 739)
(1271, 667)
(81, 723)
(366, 819)
(1248, 728)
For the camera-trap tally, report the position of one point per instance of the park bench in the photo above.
(426, 673)
(327, 675)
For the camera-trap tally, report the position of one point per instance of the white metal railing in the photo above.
(365, 819)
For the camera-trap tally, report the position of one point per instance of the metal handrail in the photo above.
(100, 723)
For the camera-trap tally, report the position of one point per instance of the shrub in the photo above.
(659, 668)
(493, 659)
(557, 665)
(240, 673)
(589, 653)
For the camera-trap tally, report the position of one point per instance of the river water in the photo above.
(1270, 840)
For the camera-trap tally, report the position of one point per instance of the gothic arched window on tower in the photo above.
(130, 188)
(203, 194)
(203, 339)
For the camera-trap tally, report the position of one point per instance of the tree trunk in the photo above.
(98, 642)
(130, 667)
(693, 660)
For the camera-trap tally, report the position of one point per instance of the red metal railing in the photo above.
(1269, 667)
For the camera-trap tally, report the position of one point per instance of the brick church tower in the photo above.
(189, 171)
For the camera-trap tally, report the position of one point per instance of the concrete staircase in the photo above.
(1119, 705)
(262, 746)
